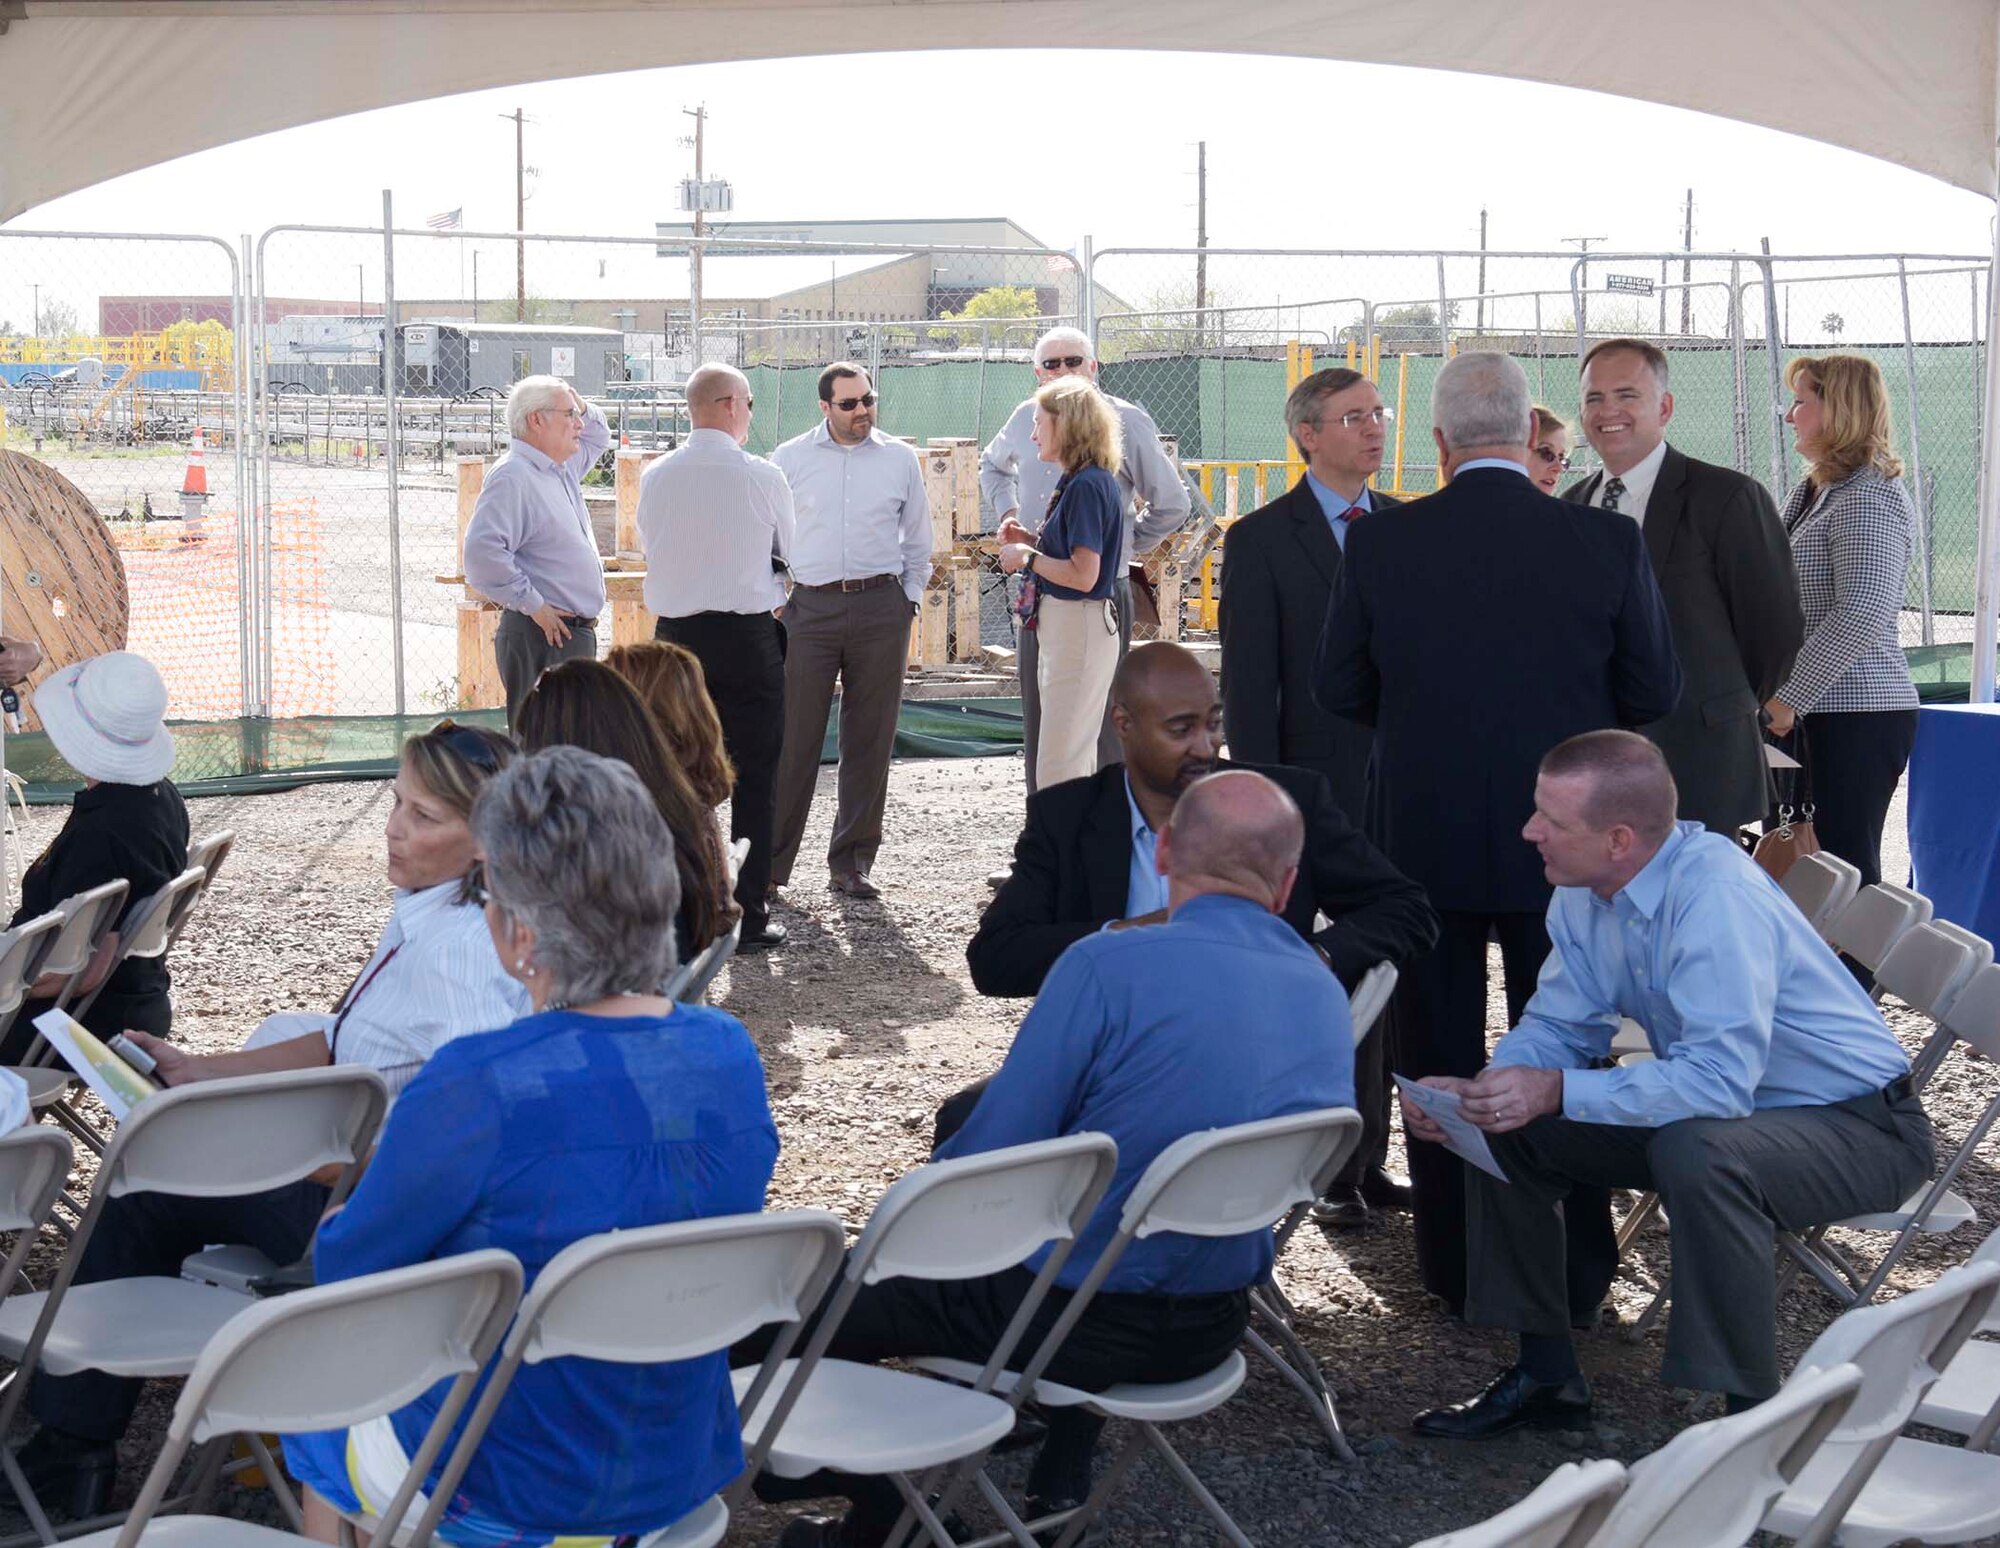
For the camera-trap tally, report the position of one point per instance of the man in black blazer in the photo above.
(1085, 858)
(1725, 568)
(1482, 626)
(1279, 565)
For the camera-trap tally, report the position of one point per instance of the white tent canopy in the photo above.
(1915, 83)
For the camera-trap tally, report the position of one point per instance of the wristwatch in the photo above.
(1028, 564)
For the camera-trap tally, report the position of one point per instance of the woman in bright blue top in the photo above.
(607, 1108)
(1073, 565)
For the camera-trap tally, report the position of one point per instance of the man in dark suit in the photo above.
(1724, 567)
(1278, 570)
(1085, 859)
(1484, 625)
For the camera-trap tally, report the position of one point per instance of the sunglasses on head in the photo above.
(475, 746)
(1065, 362)
(849, 405)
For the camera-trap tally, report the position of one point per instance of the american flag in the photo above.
(447, 220)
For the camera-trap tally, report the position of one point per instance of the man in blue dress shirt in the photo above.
(1777, 1098)
(1220, 1015)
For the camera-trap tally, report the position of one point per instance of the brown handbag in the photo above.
(1794, 837)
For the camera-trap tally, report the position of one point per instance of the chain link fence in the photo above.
(339, 374)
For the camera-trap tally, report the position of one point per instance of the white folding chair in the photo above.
(1964, 1400)
(1821, 885)
(1875, 920)
(1370, 998)
(34, 1165)
(1934, 1209)
(1713, 1483)
(1927, 969)
(739, 851)
(1220, 1182)
(1563, 1512)
(324, 1359)
(208, 855)
(958, 1219)
(1900, 1347)
(212, 1139)
(143, 932)
(21, 952)
(642, 1297)
(88, 917)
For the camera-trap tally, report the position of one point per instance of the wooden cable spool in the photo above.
(62, 583)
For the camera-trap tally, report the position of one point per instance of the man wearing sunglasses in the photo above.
(860, 559)
(1015, 482)
(529, 545)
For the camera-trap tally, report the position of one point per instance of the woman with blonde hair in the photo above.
(1852, 528)
(1548, 452)
(1067, 597)
(669, 678)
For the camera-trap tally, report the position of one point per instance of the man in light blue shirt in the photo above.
(1777, 1097)
(529, 546)
(860, 561)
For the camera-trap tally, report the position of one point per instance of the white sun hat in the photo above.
(105, 716)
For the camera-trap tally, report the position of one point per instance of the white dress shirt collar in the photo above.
(1639, 483)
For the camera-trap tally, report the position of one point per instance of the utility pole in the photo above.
(1200, 242)
(520, 214)
(1583, 282)
(1687, 268)
(700, 116)
(1479, 325)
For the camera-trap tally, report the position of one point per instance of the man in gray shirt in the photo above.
(529, 546)
(861, 557)
(1015, 482)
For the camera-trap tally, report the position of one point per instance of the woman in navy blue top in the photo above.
(606, 1109)
(1070, 566)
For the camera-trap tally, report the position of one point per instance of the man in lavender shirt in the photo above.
(528, 546)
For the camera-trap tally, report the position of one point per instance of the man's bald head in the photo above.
(1154, 666)
(1168, 717)
(716, 395)
(1237, 833)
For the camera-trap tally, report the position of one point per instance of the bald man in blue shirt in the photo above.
(1777, 1097)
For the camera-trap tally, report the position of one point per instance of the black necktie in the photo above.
(1614, 491)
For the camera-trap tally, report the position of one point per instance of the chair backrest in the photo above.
(87, 916)
(739, 851)
(21, 952)
(1988, 1251)
(1821, 885)
(1875, 920)
(1930, 964)
(1901, 1347)
(143, 932)
(1225, 1182)
(1563, 1512)
(34, 1165)
(335, 1355)
(1974, 1015)
(1715, 1482)
(208, 854)
(1370, 999)
(248, 1134)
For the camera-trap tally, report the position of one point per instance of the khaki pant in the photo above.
(1075, 656)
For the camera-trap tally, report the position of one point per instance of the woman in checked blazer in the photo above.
(1851, 528)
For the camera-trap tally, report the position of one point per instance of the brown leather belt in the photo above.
(866, 583)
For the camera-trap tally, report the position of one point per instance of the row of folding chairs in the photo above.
(1823, 1461)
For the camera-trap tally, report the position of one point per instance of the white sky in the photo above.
(1300, 153)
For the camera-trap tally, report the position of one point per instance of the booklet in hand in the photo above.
(118, 1085)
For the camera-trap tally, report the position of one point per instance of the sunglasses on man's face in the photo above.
(849, 405)
(1065, 362)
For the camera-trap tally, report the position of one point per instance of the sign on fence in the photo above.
(1629, 284)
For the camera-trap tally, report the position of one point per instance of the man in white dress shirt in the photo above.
(716, 527)
(860, 560)
(1015, 482)
(529, 545)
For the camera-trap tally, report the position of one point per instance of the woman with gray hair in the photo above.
(608, 1108)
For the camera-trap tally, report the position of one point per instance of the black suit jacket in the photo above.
(1073, 867)
(1725, 567)
(1279, 567)
(1482, 626)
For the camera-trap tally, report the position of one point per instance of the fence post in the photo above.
(1779, 482)
(1986, 564)
(1086, 300)
(1916, 468)
(246, 494)
(1444, 316)
(1741, 370)
(394, 443)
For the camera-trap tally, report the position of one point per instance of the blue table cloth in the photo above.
(1955, 814)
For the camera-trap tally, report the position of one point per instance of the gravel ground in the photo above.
(867, 1020)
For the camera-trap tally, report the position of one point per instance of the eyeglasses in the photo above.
(1558, 459)
(568, 413)
(749, 401)
(476, 891)
(478, 748)
(849, 405)
(1355, 417)
(1065, 362)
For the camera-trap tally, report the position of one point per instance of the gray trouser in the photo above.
(523, 652)
(1728, 1185)
(863, 639)
(1026, 659)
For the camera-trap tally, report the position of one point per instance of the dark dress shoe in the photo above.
(69, 1474)
(1381, 1191)
(1340, 1209)
(854, 884)
(1034, 1507)
(816, 1532)
(763, 939)
(1512, 1400)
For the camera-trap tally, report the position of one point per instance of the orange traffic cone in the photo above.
(194, 492)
